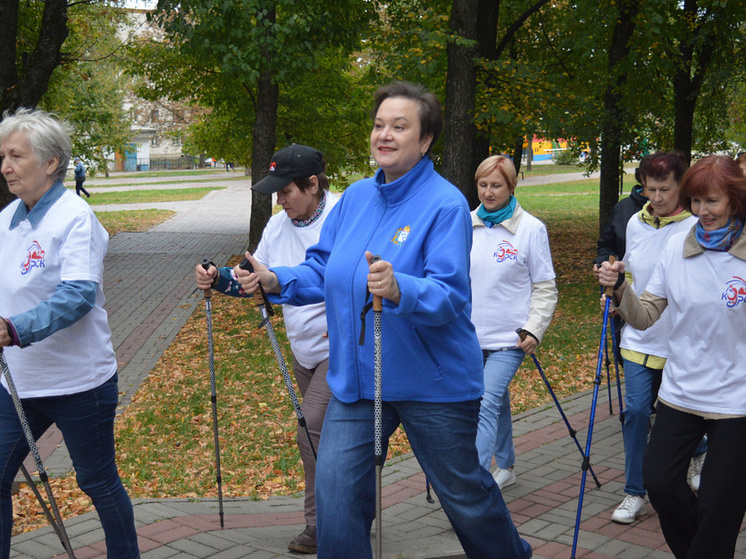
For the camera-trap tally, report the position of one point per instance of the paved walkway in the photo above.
(150, 294)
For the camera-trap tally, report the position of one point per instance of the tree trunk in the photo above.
(263, 147)
(690, 72)
(464, 148)
(518, 153)
(460, 133)
(614, 113)
(37, 65)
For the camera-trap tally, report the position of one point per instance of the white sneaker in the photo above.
(504, 477)
(695, 472)
(632, 507)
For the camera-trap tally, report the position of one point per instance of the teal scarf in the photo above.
(720, 239)
(494, 218)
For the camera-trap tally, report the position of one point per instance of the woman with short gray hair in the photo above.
(54, 331)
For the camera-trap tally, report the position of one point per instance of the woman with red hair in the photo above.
(700, 278)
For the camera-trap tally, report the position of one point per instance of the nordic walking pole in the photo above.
(377, 414)
(522, 334)
(213, 394)
(266, 310)
(596, 383)
(428, 496)
(47, 513)
(37, 457)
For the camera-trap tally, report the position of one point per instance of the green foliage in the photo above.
(87, 90)
(216, 51)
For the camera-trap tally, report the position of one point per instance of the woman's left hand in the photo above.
(381, 279)
(528, 344)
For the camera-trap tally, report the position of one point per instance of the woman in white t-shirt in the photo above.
(513, 287)
(700, 280)
(297, 176)
(55, 332)
(644, 352)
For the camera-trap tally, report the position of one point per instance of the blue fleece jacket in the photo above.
(421, 224)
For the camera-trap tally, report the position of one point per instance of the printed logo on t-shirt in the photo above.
(735, 292)
(34, 258)
(505, 251)
(401, 235)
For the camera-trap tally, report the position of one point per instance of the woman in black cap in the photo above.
(296, 174)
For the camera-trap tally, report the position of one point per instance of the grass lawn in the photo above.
(145, 196)
(161, 183)
(132, 221)
(164, 436)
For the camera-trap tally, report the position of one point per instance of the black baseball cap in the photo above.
(292, 162)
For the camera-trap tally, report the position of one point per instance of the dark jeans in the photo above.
(79, 187)
(86, 420)
(706, 524)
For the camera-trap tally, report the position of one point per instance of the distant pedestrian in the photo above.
(80, 178)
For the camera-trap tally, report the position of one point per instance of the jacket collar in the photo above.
(40, 209)
(693, 248)
(405, 186)
(511, 224)
(660, 222)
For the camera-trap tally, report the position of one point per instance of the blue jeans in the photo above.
(640, 391)
(495, 432)
(86, 420)
(442, 438)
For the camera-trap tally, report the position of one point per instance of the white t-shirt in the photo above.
(503, 268)
(644, 246)
(284, 244)
(68, 244)
(706, 293)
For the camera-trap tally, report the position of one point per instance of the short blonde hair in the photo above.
(502, 162)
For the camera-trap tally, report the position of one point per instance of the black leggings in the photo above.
(706, 524)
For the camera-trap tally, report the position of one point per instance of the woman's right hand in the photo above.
(205, 278)
(250, 280)
(5, 338)
(609, 273)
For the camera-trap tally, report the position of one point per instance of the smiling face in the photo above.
(27, 178)
(299, 204)
(493, 190)
(395, 140)
(713, 209)
(663, 195)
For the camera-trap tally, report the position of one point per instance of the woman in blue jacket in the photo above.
(432, 371)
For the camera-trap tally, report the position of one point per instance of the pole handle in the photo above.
(609, 291)
(206, 266)
(377, 299)
(259, 296)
